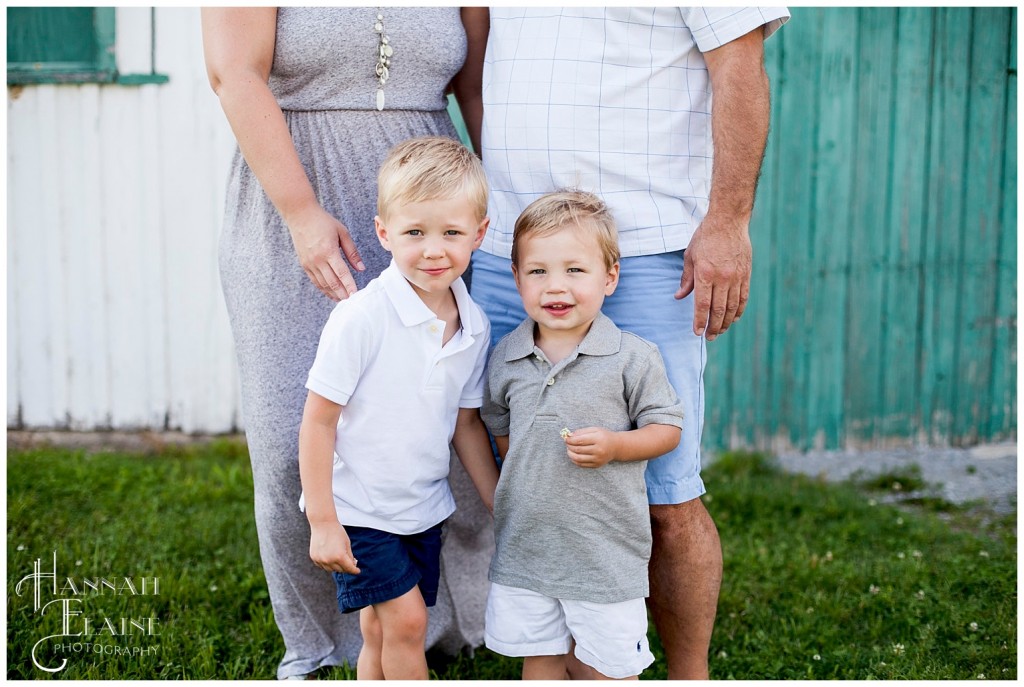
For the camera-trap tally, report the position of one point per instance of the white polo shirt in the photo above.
(380, 356)
(611, 100)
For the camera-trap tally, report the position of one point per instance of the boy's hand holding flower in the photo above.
(591, 447)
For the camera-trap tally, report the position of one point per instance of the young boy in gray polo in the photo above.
(576, 407)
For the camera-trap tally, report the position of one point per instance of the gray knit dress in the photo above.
(323, 78)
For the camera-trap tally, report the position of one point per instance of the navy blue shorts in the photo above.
(390, 565)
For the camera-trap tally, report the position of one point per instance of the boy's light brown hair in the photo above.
(568, 208)
(430, 168)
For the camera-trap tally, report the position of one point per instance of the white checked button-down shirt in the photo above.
(612, 100)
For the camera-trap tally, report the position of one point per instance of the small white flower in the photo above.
(974, 627)
(901, 555)
(916, 554)
(920, 594)
(21, 547)
(899, 521)
(810, 610)
(78, 562)
(828, 555)
(881, 664)
(213, 587)
(896, 486)
(981, 676)
(816, 657)
(722, 654)
(898, 649)
(872, 502)
(874, 589)
(983, 554)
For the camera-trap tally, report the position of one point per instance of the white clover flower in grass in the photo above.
(983, 554)
(901, 555)
(722, 654)
(916, 554)
(974, 627)
(874, 589)
(21, 547)
(899, 521)
(981, 676)
(78, 562)
(828, 555)
(920, 594)
(898, 649)
(816, 657)
(213, 587)
(872, 502)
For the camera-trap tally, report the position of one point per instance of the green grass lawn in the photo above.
(820, 582)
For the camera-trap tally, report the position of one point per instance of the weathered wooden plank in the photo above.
(1003, 418)
(42, 272)
(793, 328)
(829, 266)
(197, 338)
(81, 230)
(986, 130)
(872, 178)
(941, 321)
(907, 216)
(128, 267)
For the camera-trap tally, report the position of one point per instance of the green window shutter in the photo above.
(60, 45)
(65, 45)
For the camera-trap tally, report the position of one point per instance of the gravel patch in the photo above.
(982, 474)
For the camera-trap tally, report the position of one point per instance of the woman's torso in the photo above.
(325, 57)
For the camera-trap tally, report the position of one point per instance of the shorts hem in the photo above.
(547, 648)
(349, 602)
(618, 672)
(675, 494)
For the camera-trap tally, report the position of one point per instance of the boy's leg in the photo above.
(545, 668)
(368, 667)
(403, 625)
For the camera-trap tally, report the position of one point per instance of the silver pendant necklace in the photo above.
(384, 53)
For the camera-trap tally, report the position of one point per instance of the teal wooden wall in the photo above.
(883, 299)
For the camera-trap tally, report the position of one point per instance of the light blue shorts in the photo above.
(644, 304)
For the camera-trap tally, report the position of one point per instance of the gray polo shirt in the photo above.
(561, 530)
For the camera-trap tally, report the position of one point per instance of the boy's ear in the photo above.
(480, 232)
(612, 280)
(515, 275)
(382, 233)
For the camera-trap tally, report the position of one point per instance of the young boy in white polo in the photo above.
(398, 376)
(576, 407)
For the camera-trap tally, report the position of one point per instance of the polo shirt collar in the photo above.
(604, 338)
(413, 311)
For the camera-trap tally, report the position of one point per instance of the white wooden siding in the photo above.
(115, 317)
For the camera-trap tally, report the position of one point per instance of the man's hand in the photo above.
(716, 269)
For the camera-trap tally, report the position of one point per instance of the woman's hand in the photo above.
(320, 240)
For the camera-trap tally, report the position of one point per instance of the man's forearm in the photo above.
(739, 123)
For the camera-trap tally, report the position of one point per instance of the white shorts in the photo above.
(611, 638)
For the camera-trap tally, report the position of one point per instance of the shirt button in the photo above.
(551, 380)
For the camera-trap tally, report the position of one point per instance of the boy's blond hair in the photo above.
(430, 168)
(555, 211)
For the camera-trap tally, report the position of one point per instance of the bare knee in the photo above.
(408, 628)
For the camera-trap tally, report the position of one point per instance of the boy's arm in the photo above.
(593, 447)
(501, 442)
(474, 451)
(329, 546)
